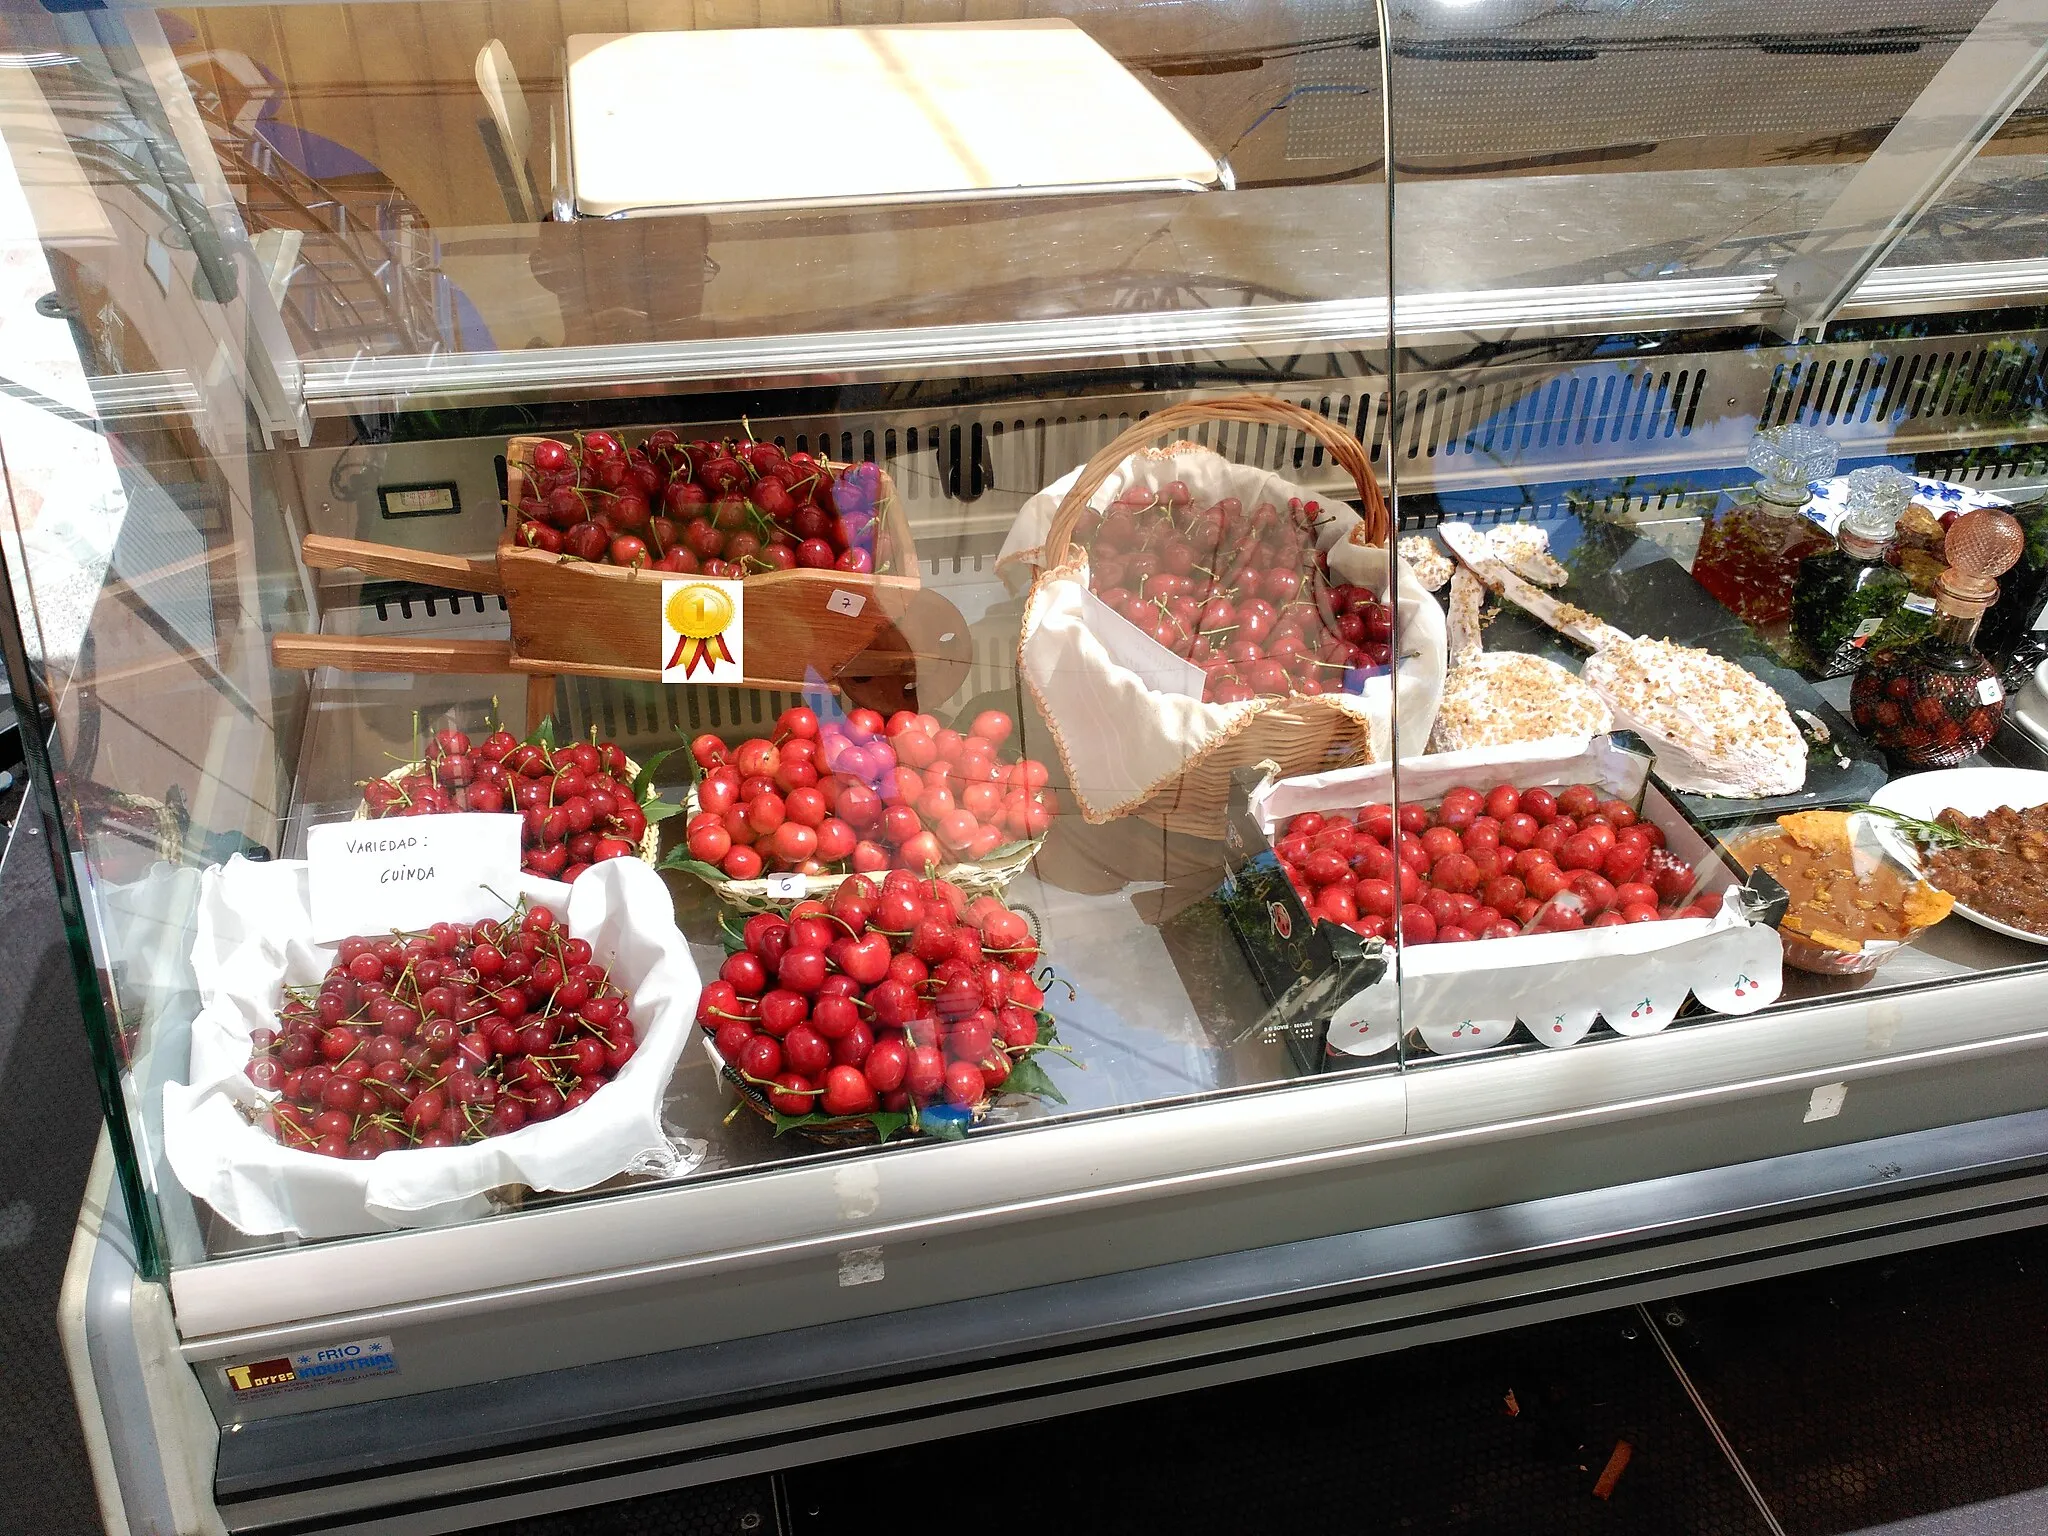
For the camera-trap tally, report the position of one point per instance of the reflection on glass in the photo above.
(1543, 148)
(420, 230)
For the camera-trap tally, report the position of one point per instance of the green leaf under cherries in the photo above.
(886, 1123)
(645, 777)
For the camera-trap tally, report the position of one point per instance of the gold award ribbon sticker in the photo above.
(702, 631)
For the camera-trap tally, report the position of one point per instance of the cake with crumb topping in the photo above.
(1497, 698)
(1715, 728)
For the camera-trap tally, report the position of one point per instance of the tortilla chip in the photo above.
(1835, 941)
(1918, 522)
(1817, 831)
(1925, 906)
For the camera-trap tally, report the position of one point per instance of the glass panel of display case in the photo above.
(423, 156)
(1553, 149)
(478, 808)
(1738, 635)
(1994, 210)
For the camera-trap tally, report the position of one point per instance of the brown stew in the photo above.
(1840, 898)
(2009, 879)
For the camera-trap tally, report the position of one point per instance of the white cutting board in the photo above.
(662, 122)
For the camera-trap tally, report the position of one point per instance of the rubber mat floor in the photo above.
(1900, 1396)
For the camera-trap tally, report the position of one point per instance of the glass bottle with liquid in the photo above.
(1937, 702)
(1750, 552)
(1844, 596)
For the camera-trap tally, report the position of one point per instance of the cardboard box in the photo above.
(1348, 1002)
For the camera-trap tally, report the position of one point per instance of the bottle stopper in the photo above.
(1981, 546)
(1878, 498)
(1790, 459)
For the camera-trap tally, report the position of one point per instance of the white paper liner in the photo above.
(1467, 997)
(253, 927)
(1120, 739)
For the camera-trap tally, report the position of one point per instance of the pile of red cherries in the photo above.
(576, 801)
(726, 509)
(890, 996)
(1489, 864)
(437, 1038)
(863, 794)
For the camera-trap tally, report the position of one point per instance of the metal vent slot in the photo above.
(434, 605)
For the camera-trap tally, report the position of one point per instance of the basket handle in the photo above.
(1346, 449)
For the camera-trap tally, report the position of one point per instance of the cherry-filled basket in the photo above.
(929, 1050)
(1134, 743)
(478, 764)
(847, 804)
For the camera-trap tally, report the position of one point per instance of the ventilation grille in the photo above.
(647, 717)
(2004, 382)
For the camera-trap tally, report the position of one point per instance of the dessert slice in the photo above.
(1491, 700)
(1715, 728)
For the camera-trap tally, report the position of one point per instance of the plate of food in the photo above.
(1981, 834)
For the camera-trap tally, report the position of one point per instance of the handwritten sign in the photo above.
(410, 872)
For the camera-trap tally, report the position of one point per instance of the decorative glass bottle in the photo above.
(1749, 554)
(1844, 596)
(1937, 702)
(2010, 623)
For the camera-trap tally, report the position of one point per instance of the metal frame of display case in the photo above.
(580, 1351)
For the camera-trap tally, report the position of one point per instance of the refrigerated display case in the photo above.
(1501, 297)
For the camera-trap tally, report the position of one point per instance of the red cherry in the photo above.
(760, 1057)
(1417, 926)
(1455, 872)
(847, 1092)
(887, 1066)
(793, 1095)
(1578, 800)
(801, 970)
(964, 1085)
(746, 973)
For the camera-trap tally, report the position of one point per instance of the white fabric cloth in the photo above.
(1121, 740)
(253, 927)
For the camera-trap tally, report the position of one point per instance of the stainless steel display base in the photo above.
(440, 1460)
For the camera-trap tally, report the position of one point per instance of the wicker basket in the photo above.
(1300, 735)
(985, 877)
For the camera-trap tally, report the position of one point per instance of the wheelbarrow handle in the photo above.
(462, 573)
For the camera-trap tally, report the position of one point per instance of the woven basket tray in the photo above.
(986, 877)
(1300, 735)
